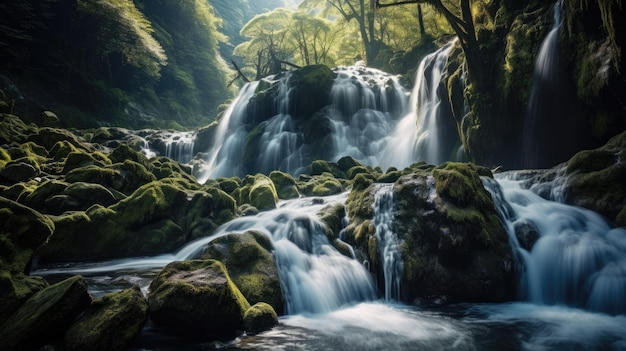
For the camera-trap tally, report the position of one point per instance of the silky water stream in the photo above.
(572, 287)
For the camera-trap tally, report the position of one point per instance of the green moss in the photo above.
(110, 323)
(354, 171)
(590, 161)
(62, 149)
(458, 183)
(229, 185)
(260, 317)
(321, 185)
(37, 199)
(14, 130)
(125, 152)
(81, 159)
(263, 194)
(332, 216)
(285, 185)
(320, 167)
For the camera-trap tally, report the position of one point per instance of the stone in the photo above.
(250, 263)
(197, 300)
(45, 316)
(260, 317)
(18, 171)
(110, 323)
(49, 119)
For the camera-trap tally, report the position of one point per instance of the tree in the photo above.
(462, 23)
(363, 12)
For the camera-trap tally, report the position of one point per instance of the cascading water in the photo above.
(365, 106)
(179, 146)
(227, 149)
(388, 245)
(544, 96)
(428, 131)
(577, 259)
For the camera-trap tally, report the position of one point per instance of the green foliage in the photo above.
(122, 28)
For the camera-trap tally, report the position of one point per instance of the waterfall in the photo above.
(388, 245)
(428, 132)
(576, 258)
(225, 153)
(179, 146)
(544, 96)
(315, 277)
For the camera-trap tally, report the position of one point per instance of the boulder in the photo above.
(157, 218)
(197, 300)
(250, 263)
(49, 118)
(45, 316)
(18, 171)
(595, 179)
(285, 185)
(110, 323)
(258, 191)
(260, 317)
(449, 236)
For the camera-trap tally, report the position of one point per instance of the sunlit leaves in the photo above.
(122, 28)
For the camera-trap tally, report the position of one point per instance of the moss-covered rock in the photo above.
(110, 323)
(311, 90)
(157, 218)
(197, 299)
(22, 230)
(45, 316)
(450, 237)
(14, 130)
(258, 191)
(595, 179)
(324, 184)
(250, 263)
(260, 317)
(79, 159)
(125, 152)
(16, 288)
(285, 185)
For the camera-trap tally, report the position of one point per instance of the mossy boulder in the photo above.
(324, 184)
(48, 137)
(14, 130)
(125, 152)
(311, 89)
(45, 316)
(15, 289)
(250, 263)
(22, 230)
(258, 191)
(260, 317)
(450, 238)
(110, 323)
(197, 300)
(595, 179)
(157, 218)
(19, 171)
(79, 159)
(286, 186)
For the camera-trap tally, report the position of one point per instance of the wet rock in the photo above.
(197, 300)
(527, 234)
(45, 316)
(250, 263)
(595, 179)
(258, 191)
(260, 317)
(450, 238)
(110, 323)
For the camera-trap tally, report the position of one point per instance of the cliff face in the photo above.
(525, 116)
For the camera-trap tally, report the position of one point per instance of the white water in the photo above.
(371, 117)
(179, 146)
(578, 260)
(388, 245)
(315, 277)
(436, 139)
(545, 83)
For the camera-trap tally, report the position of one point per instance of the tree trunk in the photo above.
(420, 17)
